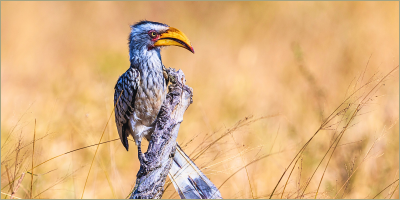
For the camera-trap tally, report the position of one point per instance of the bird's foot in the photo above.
(165, 74)
(169, 74)
(142, 158)
(146, 164)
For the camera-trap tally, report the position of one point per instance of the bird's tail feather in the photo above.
(189, 181)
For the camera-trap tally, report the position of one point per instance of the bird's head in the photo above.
(148, 37)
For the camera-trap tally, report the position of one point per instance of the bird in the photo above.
(139, 94)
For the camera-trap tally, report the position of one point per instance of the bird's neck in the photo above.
(146, 61)
(150, 67)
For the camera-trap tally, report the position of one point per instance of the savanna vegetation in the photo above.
(291, 99)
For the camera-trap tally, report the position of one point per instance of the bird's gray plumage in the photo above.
(143, 86)
(139, 94)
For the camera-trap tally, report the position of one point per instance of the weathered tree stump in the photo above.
(158, 158)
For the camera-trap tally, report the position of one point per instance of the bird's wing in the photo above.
(124, 101)
(188, 180)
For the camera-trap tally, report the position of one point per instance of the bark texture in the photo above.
(158, 159)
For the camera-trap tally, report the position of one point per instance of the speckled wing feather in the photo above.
(125, 90)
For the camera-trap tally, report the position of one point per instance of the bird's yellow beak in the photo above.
(174, 37)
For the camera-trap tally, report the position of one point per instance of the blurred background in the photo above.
(295, 61)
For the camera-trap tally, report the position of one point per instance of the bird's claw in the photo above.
(169, 74)
(142, 158)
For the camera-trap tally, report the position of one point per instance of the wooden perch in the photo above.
(152, 174)
(163, 151)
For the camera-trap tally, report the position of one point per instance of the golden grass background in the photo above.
(61, 60)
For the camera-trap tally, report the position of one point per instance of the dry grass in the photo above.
(313, 68)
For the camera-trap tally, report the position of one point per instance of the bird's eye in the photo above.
(152, 34)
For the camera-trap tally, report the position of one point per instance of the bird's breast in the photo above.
(150, 96)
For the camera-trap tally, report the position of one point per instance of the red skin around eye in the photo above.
(150, 47)
(156, 38)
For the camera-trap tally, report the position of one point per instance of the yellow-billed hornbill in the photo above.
(139, 94)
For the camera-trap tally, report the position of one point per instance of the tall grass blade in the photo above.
(98, 145)
(33, 155)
